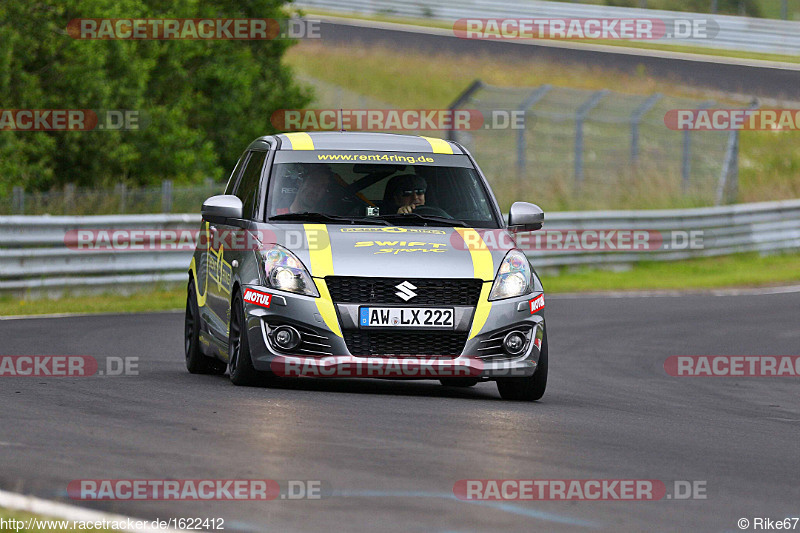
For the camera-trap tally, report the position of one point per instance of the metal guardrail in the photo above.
(34, 257)
(735, 33)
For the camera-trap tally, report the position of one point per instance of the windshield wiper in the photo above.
(322, 217)
(416, 217)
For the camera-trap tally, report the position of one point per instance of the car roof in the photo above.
(379, 142)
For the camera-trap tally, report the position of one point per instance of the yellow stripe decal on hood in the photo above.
(319, 250)
(439, 146)
(483, 268)
(300, 141)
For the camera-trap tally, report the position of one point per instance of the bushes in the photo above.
(201, 101)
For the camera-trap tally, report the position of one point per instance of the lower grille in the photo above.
(411, 343)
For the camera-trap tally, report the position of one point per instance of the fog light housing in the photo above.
(286, 338)
(514, 343)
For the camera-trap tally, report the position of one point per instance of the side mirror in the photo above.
(525, 217)
(222, 207)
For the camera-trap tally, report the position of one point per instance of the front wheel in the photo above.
(530, 388)
(240, 364)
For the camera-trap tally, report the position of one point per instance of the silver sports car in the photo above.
(365, 255)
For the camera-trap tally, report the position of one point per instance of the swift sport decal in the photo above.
(396, 247)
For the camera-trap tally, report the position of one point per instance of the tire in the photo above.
(196, 361)
(527, 389)
(240, 365)
(459, 382)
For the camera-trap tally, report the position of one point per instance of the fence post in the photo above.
(580, 116)
(69, 199)
(728, 184)
(459, 102)
(166, 196)
(636, 119)
(526, 104)
(18, 202)
(714, 6)
(686, 165)
(784, 9)
(122, 193)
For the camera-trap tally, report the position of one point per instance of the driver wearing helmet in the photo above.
(405, 193)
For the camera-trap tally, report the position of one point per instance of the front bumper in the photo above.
(326, 353)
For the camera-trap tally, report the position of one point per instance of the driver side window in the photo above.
(247, 188)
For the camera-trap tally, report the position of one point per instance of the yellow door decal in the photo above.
(201, 298)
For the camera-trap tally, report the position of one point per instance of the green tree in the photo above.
(201, 101)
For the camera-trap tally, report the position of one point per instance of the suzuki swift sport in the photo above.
(365, 255)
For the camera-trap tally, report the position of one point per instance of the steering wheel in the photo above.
(431, 210)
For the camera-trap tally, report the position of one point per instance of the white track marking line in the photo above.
(744, 291)
(54, 510)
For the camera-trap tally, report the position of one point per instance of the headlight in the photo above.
(513, 277)
(286, 273)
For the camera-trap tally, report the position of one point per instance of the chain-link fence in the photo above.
(574, 149)
(73, 200)
(581, 149)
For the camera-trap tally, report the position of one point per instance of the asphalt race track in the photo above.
(717, 73)
(392, 451)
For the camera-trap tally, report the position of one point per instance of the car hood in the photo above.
(391, 251)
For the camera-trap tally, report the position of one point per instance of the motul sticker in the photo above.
(537, 304)
(258, 298)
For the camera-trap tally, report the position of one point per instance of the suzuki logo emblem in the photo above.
(404, 291)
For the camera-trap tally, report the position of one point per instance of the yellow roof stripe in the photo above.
(300, 141)
(439, 146)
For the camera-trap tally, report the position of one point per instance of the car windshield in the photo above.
(446, 191)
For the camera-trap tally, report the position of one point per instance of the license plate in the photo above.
(406, 317)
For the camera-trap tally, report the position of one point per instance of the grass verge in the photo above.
(641, 45)
(153, 300)
(741, 270)
(769, 161)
